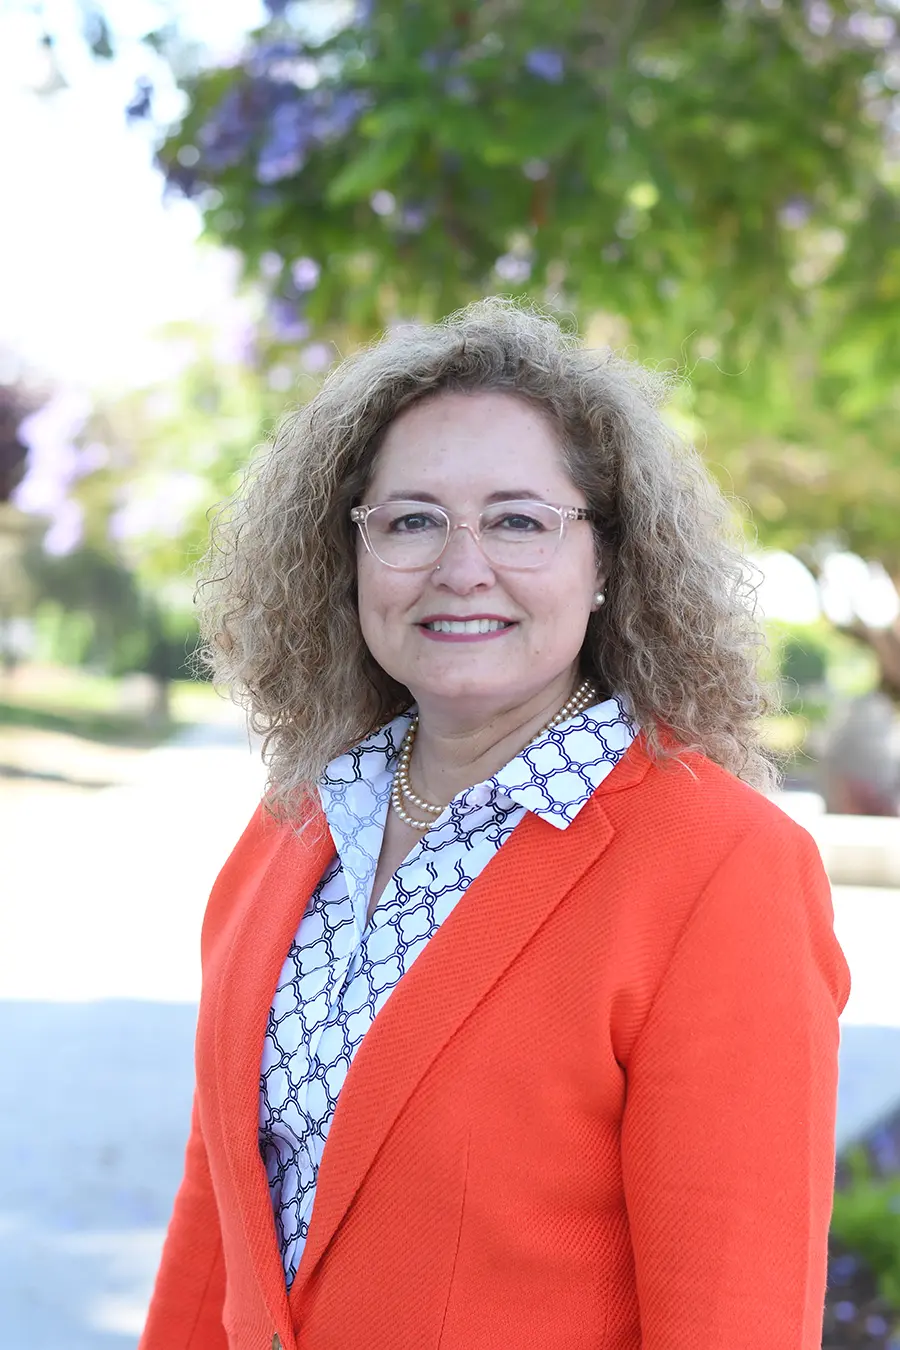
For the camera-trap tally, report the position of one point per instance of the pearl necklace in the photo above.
(401, 787)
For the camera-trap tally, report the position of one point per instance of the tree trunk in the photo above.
(160, 710)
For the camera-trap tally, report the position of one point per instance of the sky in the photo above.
(92, 261)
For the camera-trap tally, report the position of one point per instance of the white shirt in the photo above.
(340, 970)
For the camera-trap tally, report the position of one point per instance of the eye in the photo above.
(413, 522)
(518, 523)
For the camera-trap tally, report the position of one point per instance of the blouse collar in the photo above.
(553, 777)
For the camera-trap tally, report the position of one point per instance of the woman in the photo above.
(519, 1023)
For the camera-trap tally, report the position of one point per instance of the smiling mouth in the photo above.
(466, 625)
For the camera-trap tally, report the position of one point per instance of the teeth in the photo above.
(466, 626)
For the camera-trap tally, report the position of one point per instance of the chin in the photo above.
(496, 689)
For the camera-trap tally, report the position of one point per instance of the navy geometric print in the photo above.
(340, 970)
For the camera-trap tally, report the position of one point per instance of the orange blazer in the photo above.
(597, 1113)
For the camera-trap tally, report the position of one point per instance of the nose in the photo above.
(463, 564)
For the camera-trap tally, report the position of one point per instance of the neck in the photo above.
(452, 753)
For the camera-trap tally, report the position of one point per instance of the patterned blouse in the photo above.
(340, 970)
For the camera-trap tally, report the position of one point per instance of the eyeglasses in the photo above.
(411, 536)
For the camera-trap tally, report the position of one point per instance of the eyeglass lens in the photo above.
(515, 534)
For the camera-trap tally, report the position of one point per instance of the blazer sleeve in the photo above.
(186, 1308)
(728, 1133)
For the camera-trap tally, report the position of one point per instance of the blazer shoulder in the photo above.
(697, 802)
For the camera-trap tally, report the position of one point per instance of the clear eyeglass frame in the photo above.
(359, 515)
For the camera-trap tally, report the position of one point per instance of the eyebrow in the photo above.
(505, 495)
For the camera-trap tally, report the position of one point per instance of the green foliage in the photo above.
(866, 1219)
(822, 656)
(93, 613)
(714, 175)
(802, 665)
(636, 159)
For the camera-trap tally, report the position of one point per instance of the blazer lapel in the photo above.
(247, 986)
(494, 919)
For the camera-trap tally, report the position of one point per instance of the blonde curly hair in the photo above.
(277, 595)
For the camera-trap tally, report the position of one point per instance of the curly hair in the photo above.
(277, 596)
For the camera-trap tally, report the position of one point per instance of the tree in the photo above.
(699, 168)
(16, 530)
(143, 471)
(715, 179)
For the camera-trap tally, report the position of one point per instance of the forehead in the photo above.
(483, 442)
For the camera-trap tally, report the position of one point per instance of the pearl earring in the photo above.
(599, 599)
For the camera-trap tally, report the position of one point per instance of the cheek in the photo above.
(382, 595)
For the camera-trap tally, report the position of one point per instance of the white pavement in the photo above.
(101, 903)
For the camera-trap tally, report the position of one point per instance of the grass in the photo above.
(99, 708)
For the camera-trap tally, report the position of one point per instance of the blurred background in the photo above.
(203, 208)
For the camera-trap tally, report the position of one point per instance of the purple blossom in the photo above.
(413, 218)
(874, 30)
(182, 177)
(795, 213)
(876, 1325)
(513, 269)
(845, 1311)
(54, 460)
(285, 149)
(272, 58)
(820, 17)
(226, 137)
(66, 530)
(439, 58)
(276, 7)
(271, 264)
(287, 322)
(317, 357)
(383, 202)
(546, 63)
(298, 121)
(843, 1268)
(884, 1147)
(460, 87)
(141, 102)
(93, 457)
(337, 112)
(305, 273)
